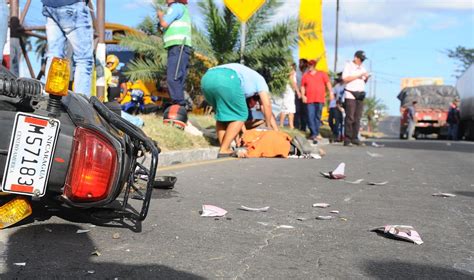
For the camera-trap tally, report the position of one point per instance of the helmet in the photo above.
(114, 60)
(175, 115)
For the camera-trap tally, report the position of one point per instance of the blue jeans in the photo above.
(176, 84)
(314, 118)
(453, 131)
(72, 24)
(4, 15)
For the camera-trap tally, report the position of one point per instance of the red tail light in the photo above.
(93, 167)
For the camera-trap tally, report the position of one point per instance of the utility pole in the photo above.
(100, 51)
(337, 37)
(242, 41)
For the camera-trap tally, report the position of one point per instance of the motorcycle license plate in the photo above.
(30, 154)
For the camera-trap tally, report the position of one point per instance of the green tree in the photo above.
(464, 56)
(374, 110)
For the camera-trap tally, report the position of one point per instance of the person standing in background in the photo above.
(301, 113)
(176, 27)
(454, 118)
(355, 77)
(335, 115)
(313, 93)
(288, 106)
(4, 15)
(70, 21)
(411, 116)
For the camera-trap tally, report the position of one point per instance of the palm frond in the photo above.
(150, 46)
(145, 70)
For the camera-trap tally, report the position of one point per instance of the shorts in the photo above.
(222, 89)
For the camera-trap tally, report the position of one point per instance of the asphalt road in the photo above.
(176, 243)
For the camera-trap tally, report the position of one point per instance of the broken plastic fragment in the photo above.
(82, 230)
(338, 173)
(324, 217)
(315, 156)
(212, 211)
(96, 253)
(262, 223)
(321, 205)
(334, 211)
(20, 264)
(301, 219)
(374, 155)
(377, 145)
(251, 209)
(378, 183)
(91, 271)
(285, 226)
(440, 194)
(116, 235)
(407, 233)
(356, 182)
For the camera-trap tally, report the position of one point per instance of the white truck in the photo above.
(465, 87)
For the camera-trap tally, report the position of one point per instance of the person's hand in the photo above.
(304, 99)
(160, 13)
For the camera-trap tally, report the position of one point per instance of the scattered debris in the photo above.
(20, 264)
(375, 145)
(334, 212)
(343, 219)
(90, 271)
(321, 205)
(378, 183)
(324, 217)
(322, 152)
(116, 235)
(407, 233)
(315, 156)
(48, 230)
(212, 211)
(96, 253)
(262, 223)
(82, 230)
(440, 194)
(356, 182)
(285, 227)
(92, 226)
(338, 173)
(262, 209)
(374, 155)
(302, 219)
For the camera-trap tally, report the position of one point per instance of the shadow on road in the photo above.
(56, 251)
(406, 270)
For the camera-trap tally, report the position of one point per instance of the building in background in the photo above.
(414, 82)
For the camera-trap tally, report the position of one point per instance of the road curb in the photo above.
(186, 156)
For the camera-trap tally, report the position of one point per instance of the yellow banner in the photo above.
(310, 30)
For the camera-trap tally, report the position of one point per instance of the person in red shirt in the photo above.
(313, 91)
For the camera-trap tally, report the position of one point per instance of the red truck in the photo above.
(431, 109)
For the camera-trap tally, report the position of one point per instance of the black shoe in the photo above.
(315, 142)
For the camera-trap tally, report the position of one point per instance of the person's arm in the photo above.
(124, 90)
(293, 84)
(267, 110)
(174, 12)
(331, 91)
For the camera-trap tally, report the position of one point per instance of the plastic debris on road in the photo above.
(324, 217)
(338, 173)
(378, 183)
(315, 156)
(116, 235)
(375, 145)
(302, 219)
(374, 155)
(356, 182)
(20, 264)
(440, 194)
(251, 209)
(212, 211)
(82, 230)
(402, 232)
(321, 205)
(96, 253)
(334, 212)
(285, 227)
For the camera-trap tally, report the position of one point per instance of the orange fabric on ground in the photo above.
(267, 144)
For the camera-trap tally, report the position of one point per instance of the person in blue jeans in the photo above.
(176, 27)
(70, 21)
(4, 14)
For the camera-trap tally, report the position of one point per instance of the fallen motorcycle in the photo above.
(67, 149)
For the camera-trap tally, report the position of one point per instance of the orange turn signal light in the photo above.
(14, 211)
(57, 82)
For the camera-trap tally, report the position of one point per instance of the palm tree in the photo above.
(374, 110)
(268, 47)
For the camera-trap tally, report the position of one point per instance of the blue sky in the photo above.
(402, 38)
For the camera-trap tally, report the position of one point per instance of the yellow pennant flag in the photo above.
(310, 30)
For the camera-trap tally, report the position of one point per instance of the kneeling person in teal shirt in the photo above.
(227, 88)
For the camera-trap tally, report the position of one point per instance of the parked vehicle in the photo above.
(67, 149)
(465, 87)
(431, 109)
